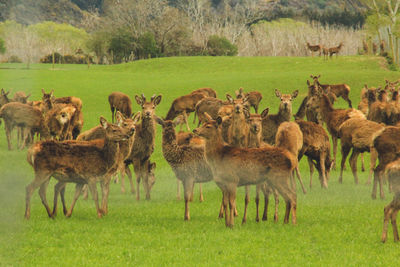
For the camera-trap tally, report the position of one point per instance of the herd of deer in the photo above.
(326, 51)
(230, 146)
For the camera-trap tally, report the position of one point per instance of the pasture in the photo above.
(338, 226)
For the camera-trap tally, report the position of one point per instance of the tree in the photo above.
(2, 46)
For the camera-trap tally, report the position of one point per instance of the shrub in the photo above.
(14, 59)
(220, 46)
(147, 46)
(2, 46)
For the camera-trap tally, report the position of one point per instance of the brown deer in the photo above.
(120, 102)
(143, 145)
(339, 90)
(21, 97)
(184, 105)
(334, 118)
(335, 50)
(208, 92)
(210, 105)
(187, 162)
(388, 147)
(22, 115)
(325, 52)
(76, 162)
(4, 97)
(390, 211)
(357, 134)
(271, 122)
(290, 137)
(253, 98)
(125, 146)
(238, 131)
(314, 48)
(255, 141)
(234, 166)
(316, 147)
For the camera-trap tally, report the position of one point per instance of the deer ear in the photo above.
(237, 93)
(264, 113)
(43, 92)
(120, 118)
(139, 100)
(208, 117)
(153, 166)
(7, 93)
(308, 83)
(246, 113)
(294, 94)
(277, 93)
(136, 117)
(103, 122)
(51, 92)
(27, 96)
(230, 99)
(157, 100)
(319, 76)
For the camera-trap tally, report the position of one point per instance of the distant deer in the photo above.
(143, 145)
(314, 48)
(271, 122)
(335, 50)
(340, 90)
(77, 162)
(120, 102)
(234, 166)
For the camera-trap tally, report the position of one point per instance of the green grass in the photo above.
(338, 226)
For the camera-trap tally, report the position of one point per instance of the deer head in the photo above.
(239, 93)
(209, 130)
(286, 100)
(239, 105)
(148, 107)
(4, 97)
(115, 133)
(254, 122)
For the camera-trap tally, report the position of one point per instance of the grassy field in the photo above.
(337, 226)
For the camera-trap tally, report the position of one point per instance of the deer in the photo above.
(120, 102)
(239, 130)
(125, 146)
(253, 98)
(339, 90)
(316, 147)
(271, 122)
(387, 146)
(235, 166)
(392, 171)
(22, 115)
(77, 162)
(4, 97)
(187, 161)
(208, 92)
(210, 105)
(334, 118)
(357, 134)
(21, 97)
(143, 145)
(335, 50)
(325, 52)
(184, 105)
(314, 48)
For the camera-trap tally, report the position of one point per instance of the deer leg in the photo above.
(221, 209)
(232, 204)
(353, 164)
(178, 189)
(78, 189)
(276, 197)
(394, 224)
(266, 192)
(374, 156)
(57, 189)
(362, 162)
(185, 117)
(334, 148)
(345, 153)
(112, 114)
(225, 205)
(387, 212)
(246, 203)
(85, 191)
(129, 174)
(322, 170)
(382, 193)
(257, 200)
(40, 178)
(8, 129)
(289, 195)
(145, 177)
(377, 174)
(42, 194)
(311, 166)
(201, 197)
(62, 193)
(188, 185)
(105, 187)
(93, 191)
(300, 180)
(138, 172)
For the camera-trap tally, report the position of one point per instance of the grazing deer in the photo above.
(120, 102)
(76, 162)
(187, 161)
(143, 145)
(339, 90)
(390, 211)
(271, 122)
(335, 50)
(314, 48)
(234, 166)
(208, 92)
(30, 119)
(184, 105)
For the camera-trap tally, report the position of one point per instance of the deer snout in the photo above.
(237, 109)
(131, 131)
(255, 128)
(195, 131)
(147, 113)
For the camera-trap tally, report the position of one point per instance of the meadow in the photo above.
(337, 226)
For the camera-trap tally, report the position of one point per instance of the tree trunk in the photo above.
(53, 59)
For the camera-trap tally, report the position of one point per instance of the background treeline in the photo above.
(115, 31)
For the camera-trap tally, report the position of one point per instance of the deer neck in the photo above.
(285, 114)
(169, 145)
(325, 107)
(148, 127)
(213, 148)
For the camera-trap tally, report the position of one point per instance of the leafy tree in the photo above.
(147, 46)
(2, 46)
(122, 43)
(220, 46)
